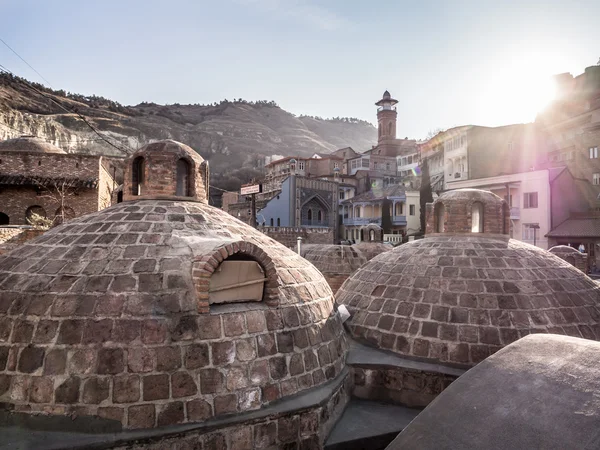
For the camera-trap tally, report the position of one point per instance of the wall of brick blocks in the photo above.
(288, 236)
(49, 165)
(304, 430)
(14, 201)
(407, 387)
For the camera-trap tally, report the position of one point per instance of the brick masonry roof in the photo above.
(29, 144)
(458, 299)
(576, 228)
(108, 315)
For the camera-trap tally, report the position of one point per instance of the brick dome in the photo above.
(338, 262)
(459, 297)
(113, 315)
(29, 144)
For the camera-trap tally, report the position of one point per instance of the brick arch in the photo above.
(204, 267)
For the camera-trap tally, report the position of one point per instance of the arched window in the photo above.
(390, 128)
(32, 212)
(362, 235)
(358, 211)
(320, 216)
(137, 175)
(278, 222)
(477, 217)
(271, 221)
(309, 214)
(183, 178)
(440, 212)
(239, 278)
(371, 235)
(399, 209)
(4, 219)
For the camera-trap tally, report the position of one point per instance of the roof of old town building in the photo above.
(458, 296)
(109, 314)
(29, 144)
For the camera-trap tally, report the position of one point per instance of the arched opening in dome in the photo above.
(182, 188)
(570, 260)
(477, 217)
(239, 278)
(34, 213)
(439, 213)
(505, 218)
(371, 235)
(137, 175)
(4, 219)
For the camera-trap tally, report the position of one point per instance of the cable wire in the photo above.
(30, 66)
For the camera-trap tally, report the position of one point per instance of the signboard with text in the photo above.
(251, 189)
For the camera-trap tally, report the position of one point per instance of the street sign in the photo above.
(251, 189)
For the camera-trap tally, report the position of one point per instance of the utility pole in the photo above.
(253, 210)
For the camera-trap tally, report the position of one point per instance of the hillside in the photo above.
(234, 136)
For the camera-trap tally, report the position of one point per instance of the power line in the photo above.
(30, 66)
(67, 110)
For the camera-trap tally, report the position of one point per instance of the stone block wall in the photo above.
(14, 201)
(50, 165)
(304, 430)
(288, 236)
(408, 387)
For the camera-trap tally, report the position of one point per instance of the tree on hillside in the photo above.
(426, 193)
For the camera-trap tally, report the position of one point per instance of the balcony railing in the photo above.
(358, 221)
(399, 220)
(392, 238)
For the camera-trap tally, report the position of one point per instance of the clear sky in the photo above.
(448, 62)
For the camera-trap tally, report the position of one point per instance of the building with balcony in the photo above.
(539, 200)
(385, 208)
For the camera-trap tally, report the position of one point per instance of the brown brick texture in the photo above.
(458, 299)
(110, 312)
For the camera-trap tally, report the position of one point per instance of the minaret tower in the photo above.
(386, 117)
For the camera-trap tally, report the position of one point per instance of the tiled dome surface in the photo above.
(108, 315)
(458, 299)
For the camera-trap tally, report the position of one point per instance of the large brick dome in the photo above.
(112, 315)
(29, 144)
(458, 296)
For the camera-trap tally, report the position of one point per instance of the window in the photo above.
(529, 231)
(439, 213)
(309, 214)
(357, 211)
(593, 152)
(463, 141)
(183, 178)
(278, 222)
(530, 200)
(271, 221)
(477, 218)
(596, 179)
(409, 159)
(320, 216)
(301, 165)
(399, 209)
(342, 195)
(510, 146)
(509, 199)
(365, 162)
(137, 176)
(411, 210)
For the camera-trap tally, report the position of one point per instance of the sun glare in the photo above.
(517, 95)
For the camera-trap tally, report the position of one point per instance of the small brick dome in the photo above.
(468, 211)
(110, 315)
(166, 170)
(459, 297)
(570, 255)
(338, 262)
(29, 144)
